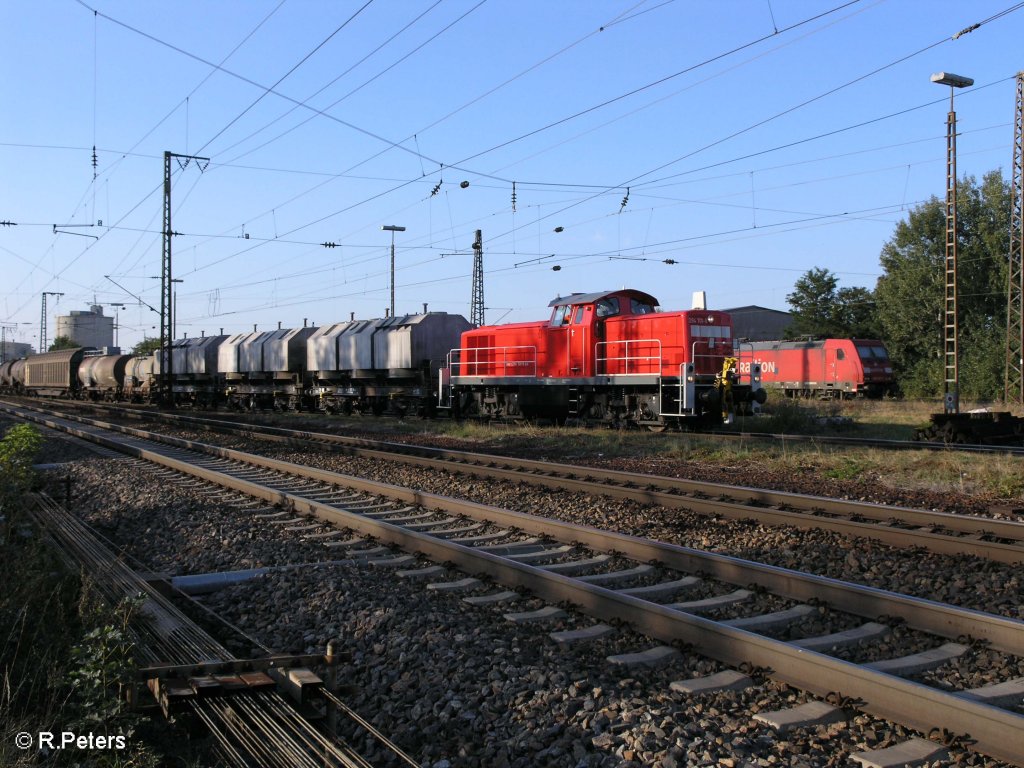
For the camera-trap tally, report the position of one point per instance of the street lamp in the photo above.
(392, 228)
(951, 383)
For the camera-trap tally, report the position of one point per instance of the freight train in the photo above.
(611, 357)
(823, 367)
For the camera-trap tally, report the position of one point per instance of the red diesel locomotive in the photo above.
(610, 357)
(823, 367)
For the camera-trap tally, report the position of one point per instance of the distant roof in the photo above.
(590, 298)
(754, 308)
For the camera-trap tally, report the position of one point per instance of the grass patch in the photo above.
(846, 468)
(996, 477)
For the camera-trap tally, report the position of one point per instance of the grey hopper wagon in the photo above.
(195, 357)
(228, 357)
(274, 354)
(322, 352)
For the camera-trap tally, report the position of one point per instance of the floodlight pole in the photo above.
(392, 228)
(951, 378)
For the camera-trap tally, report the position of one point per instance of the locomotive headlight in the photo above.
(691, 378)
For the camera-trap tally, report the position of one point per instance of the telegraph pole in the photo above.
(166, 280)
(476, 303)
(42, 321)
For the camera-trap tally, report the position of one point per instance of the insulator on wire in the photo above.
(624, 200)
(513, 197)
(329, 245)
(437, 188)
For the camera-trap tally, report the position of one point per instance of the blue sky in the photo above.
(747, 141)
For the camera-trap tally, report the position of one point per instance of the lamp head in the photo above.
(955, 81)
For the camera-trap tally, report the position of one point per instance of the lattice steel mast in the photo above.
(167, 281)
(1014, 392)
(42, 321)
(476, 304)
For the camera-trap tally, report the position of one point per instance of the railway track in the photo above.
(195, 677)
(1010, 449)
(612, 578)
(1001, 540)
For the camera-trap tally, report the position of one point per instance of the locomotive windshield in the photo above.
(561, 315)
(872, 351)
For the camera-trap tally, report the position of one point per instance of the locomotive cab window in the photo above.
(840, 354)
(640, 307)
(608, 306)
(561, 315)
(579, 315)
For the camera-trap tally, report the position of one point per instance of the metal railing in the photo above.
(493, 361)
(636, 357)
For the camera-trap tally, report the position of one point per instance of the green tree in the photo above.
(821, 308)
(146, 346)
(63, 342)
(910, 295)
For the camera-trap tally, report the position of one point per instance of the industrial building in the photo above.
(14, 350)
(759, 323)
(89, 328)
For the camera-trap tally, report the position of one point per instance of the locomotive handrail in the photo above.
(652, 361)
(524, 366)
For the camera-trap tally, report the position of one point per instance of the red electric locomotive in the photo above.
(611, 357)
(823, 367)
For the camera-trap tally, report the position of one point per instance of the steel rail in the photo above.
(1003, 633)
(1008, 448)
(875, 442)
(996, 732)
(970, 525)
(765, 506)
(166, 628)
